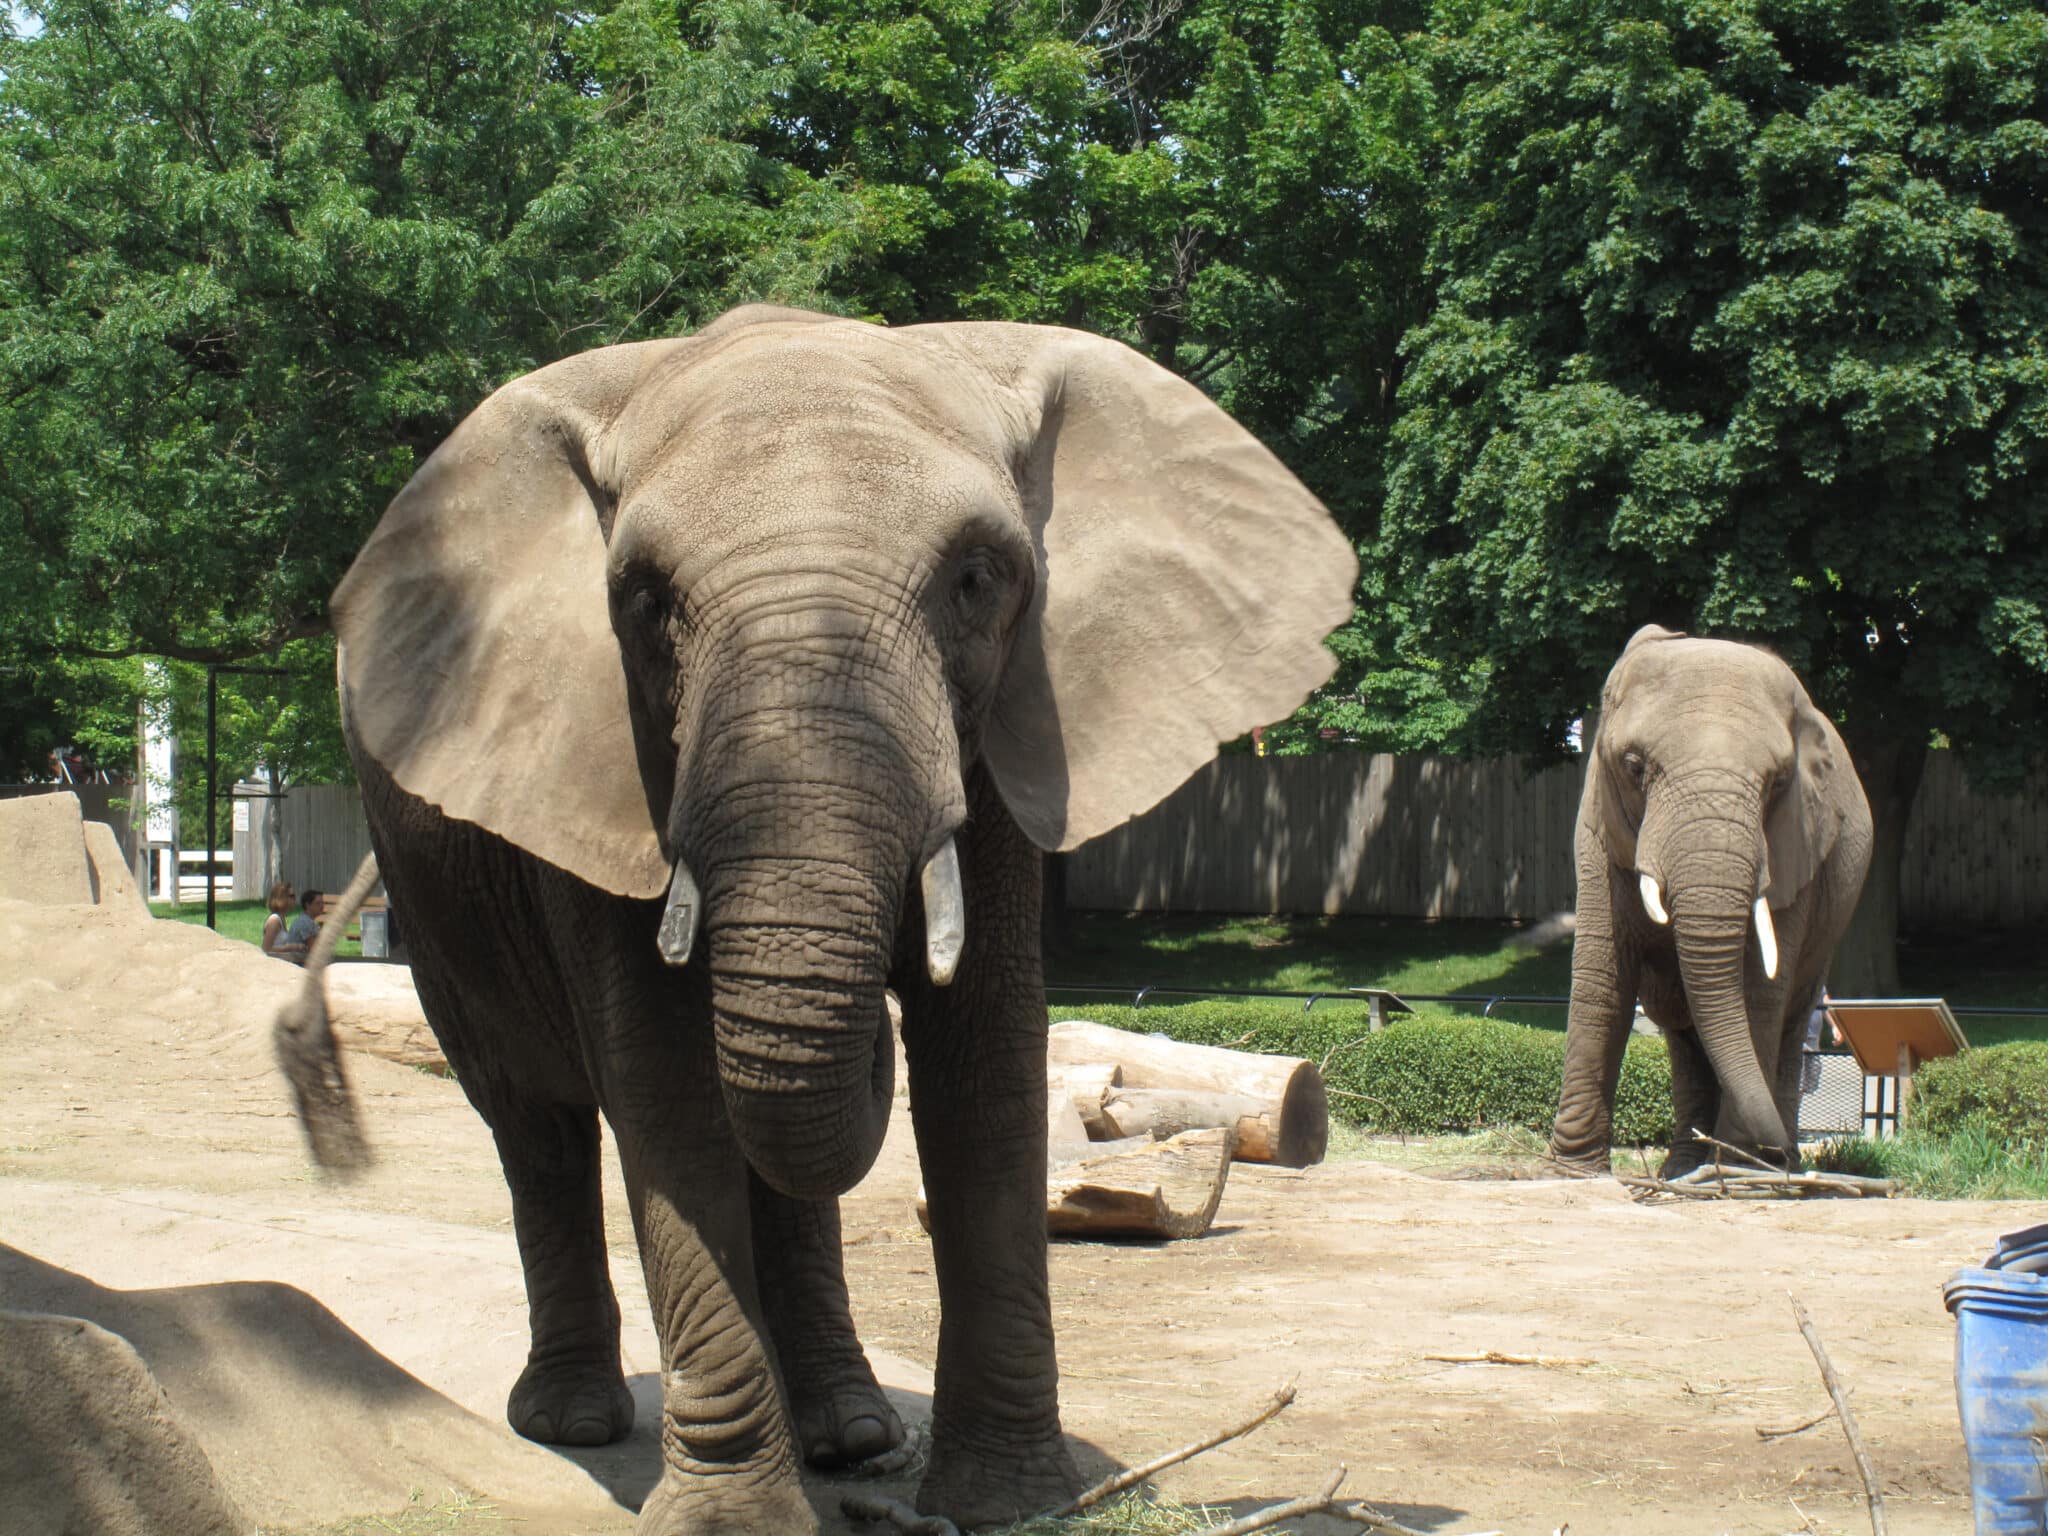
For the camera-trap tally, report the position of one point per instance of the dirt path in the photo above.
(145, 1143)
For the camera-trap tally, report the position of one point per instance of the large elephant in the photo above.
(1722, 842)
(700, 690)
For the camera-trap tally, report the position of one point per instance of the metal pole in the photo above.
(212, 753)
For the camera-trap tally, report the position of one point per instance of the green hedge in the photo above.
(1421, 1074)
(2003, 1089)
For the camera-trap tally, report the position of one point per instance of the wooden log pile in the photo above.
(1124, 1084)
(1141, 1131)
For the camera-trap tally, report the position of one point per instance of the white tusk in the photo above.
(678, 935)
(945, 915)
(1653, 901)
(1767, 938)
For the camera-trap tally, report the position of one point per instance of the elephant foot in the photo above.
(683, 1504)
(844, 1418)
(1581, 1165)
(571, 1403)
(1684, 1158)
(975, 1487)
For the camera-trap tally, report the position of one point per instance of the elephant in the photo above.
(1721, 844)
(702, 691)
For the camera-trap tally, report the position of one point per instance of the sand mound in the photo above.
(90, 1442)
(300, 1418)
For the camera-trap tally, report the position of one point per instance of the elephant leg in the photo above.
(572, 1391)
(841, 1412)
(729, 1464)
(1786, 1084)
(976, 1054)
(501, 1037)
(1603, 1003)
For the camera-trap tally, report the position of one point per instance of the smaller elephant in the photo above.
(1722, 842)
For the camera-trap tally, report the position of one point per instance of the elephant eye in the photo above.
(646, 608)
(976, 585)
(1634, 765)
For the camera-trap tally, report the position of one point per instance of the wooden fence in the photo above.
(1441, 837)
(314, 836)
(1346, 832)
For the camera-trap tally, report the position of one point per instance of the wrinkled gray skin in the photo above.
(789, 605)
(1712, 774)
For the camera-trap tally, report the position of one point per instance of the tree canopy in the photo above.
(1578, 313)
(1739, 327)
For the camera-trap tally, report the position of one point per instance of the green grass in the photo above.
(238, 920)
(1402, 955)
(1307, 954)
(1970, 1163)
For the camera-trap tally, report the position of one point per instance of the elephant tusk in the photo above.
(945, 915)
(1767, 938)
(1653, 901)
(678, 935)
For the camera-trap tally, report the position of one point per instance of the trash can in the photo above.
(376, 935)
(2002, 1394)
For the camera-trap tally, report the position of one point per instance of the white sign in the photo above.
(241, 815)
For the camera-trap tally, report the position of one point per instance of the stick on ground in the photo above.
(1118, 1482)
(1273, 1514)
(1834, 1385)
(1797, 1429)
(1364, 1514)
(1495, 1357)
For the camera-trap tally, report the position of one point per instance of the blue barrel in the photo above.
(2002, 1394)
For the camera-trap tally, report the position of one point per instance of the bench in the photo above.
(355, 924)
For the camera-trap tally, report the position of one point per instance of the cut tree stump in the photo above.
(1086, 1085)
(1276, 1104)
(1167, 1188)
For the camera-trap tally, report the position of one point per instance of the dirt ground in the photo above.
(148, 1159)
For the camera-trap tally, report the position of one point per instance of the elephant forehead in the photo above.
(1691, 667)
(780, 434)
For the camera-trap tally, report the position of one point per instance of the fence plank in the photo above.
(1435, 837)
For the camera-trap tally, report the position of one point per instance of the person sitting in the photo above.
(305, 927)
(277, 940)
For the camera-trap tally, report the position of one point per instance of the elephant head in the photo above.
(1722, 791)
(727, 620)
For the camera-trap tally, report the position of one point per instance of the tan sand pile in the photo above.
(137, 1053)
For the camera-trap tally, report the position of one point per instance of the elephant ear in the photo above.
(1805, 820)
(479, 667)
(1608, 797)
(1185, 580)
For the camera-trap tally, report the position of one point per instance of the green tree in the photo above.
(1741, 322)
(256, 260)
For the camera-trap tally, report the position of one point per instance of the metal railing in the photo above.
(1488, 1001)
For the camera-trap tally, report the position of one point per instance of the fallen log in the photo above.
(1169, 1111)
(1167, 1188)
(1086, 1085)
(1139, 1188)
(1282, 1111)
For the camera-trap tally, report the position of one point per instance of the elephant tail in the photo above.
(307, 1052)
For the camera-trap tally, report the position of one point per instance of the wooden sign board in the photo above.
(1877, 1030)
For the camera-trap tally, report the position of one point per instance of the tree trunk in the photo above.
(1165, 1188)
(1262, 1132)
(1866, 962)
(1293, 1108)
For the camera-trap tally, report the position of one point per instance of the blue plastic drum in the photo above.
(2002, 1394)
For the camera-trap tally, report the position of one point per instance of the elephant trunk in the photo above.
(805, 1054)
(1712, 910)
(814, 796)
